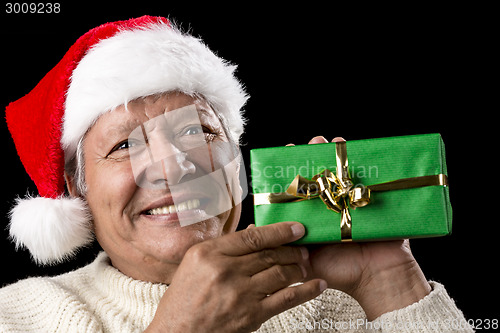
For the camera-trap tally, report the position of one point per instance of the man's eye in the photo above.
(208, 134)
(193, 130)
(122, 146)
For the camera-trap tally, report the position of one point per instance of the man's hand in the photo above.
(236, 282)
(381, 276)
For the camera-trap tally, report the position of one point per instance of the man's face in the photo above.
(155, 186)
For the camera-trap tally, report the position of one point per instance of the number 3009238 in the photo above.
(32, 8)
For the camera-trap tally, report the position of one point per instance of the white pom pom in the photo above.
(51, 229)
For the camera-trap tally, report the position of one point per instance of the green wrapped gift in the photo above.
(363, 190)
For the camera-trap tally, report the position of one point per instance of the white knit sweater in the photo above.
(98, 298)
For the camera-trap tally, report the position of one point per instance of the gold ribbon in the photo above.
(337, 191)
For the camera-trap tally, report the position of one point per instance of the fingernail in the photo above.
(298, 230)
(305, 252)
(304, 271)
(318, 139)
(322, 285)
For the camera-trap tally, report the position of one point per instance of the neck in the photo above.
(156, 272)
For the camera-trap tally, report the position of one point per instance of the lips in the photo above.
(188, 209)
(183, 202)
(170, 209)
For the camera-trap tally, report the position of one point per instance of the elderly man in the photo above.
(133, 139)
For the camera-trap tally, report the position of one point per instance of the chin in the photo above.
(171, 244)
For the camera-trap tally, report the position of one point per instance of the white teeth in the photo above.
(189, 204)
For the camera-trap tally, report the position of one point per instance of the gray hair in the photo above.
(75, 167)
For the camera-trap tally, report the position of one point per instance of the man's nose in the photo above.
(168, 164)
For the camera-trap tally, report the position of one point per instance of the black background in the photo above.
(359, 72)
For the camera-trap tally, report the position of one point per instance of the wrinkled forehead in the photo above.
(150, 107)
(176, 106)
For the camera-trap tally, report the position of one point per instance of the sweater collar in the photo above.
(134, 297)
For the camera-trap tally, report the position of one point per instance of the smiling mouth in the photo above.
(170, 209)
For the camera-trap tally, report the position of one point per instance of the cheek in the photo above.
(110, 188)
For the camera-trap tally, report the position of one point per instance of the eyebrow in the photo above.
(125, 128)
(122, 128)
(207, 112)
(203, 110)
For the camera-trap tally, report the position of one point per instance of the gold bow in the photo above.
(337, 191)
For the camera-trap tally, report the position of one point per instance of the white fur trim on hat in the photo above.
(51, 229)
(146, 61)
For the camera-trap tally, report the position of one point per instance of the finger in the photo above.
(257, 239)
(318, 139)
(338, 139)
(284, 255)
(290, 297)
(289, 145)
(277, 277)
(250, 226)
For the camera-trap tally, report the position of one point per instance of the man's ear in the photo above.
(70, 185)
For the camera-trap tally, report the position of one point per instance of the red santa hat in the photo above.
(108, 66)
